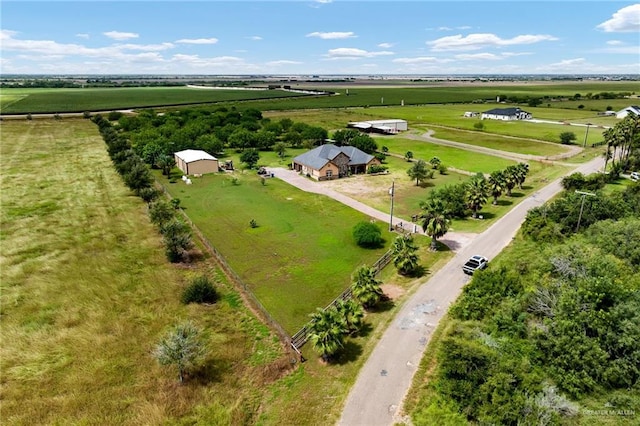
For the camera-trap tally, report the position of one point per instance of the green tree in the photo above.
(408, 156)
(477, 192)
(364, 143)
(352, 313)
(419, 172)
(405, 254)
(435, 220)
(177, 239)
(181, 347)
(161, 212)
(496, 185)
(367, 235)
(200, 290)
(166, 163)
(366, 288)
(326, 332)
(250, 157)
(567, 138)
(280, 148)
(435, 162)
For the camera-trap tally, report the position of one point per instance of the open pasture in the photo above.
(299, 257)
(86, 293)
(106, 99)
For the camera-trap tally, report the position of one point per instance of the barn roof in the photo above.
(504, 111)
(191, 155)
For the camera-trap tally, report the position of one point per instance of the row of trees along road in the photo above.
(464, 199)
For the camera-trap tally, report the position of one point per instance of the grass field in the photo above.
(69, 100)
(87, 293)
(301, 255)
(22, 101)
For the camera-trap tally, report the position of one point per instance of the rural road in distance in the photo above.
(378, 393)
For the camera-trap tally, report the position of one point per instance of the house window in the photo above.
(329, 173)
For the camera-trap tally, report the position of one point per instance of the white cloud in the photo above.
(118, 35)
(332, 35)
(385, 45)
(353, 53)
(255, 38)
(444, 29)
(146, 47)
(283, 62)
(625, 20)
(421, 60)
(211, 40)
(82, 35)
(481, 41)
(614, 43)
(479, 57)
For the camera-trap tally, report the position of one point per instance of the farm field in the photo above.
(23, 101)
(350, 95)
(87, 293)
(301, 255)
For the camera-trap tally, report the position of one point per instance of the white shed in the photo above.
(195, 161)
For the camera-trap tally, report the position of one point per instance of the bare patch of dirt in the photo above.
(392, 291)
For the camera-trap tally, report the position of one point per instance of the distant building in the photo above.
(329, 161)
(506, 114)
(471, 114)
(194, 161)
(391, 126)
(633, 109)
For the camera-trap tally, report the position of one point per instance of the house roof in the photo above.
(321, 155)
(504, 111)
(191, 155)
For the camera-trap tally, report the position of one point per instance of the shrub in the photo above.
(367, 235)
(201, 290)
(148, 194)
(376, 168)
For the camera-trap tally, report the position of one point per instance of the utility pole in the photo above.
(392, 193)
(584, 195)
(585, 135)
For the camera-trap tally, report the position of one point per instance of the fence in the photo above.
(299, 339)
(235, 278)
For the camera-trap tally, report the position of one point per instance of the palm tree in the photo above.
(522, 170)
(352, 314)
(477, 192)
(510, 179)
(326, 332)
(436, 220)
(366, 288)
(496, 185)
(404, 252)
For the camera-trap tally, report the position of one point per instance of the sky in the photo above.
(320, 37)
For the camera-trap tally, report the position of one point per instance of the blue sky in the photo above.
(320, 37)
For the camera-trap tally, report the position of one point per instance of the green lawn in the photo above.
(301, 255)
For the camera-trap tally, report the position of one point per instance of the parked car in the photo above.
(475, 263)
(635, 176)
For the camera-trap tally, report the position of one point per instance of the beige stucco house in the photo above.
(194, 162)
(329, 161)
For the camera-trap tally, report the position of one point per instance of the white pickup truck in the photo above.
(474, 263)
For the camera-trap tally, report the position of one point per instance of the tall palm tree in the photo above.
(366, 288)
(436, 220)
(496, 185)
(477, 192)
(510, 178)
(522, 170)
(327, 331)
(405, 256)
(352, 314)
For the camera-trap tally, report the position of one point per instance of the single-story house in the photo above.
(633, 109)
(506, 114)
(329, 161)
(471, 114)
(391, 126)
(195, 161)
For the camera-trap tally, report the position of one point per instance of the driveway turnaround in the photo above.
(454, 240)
(377, 396)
